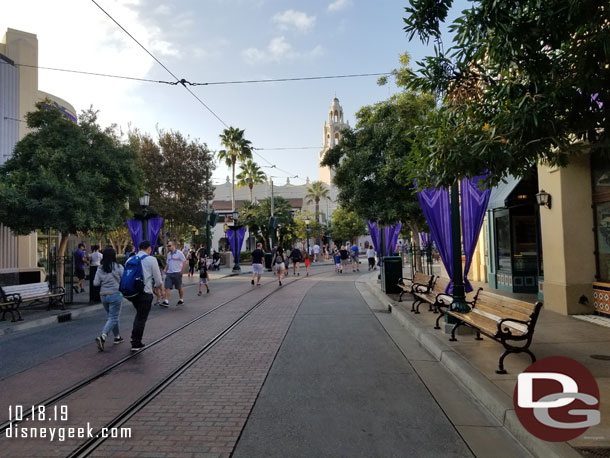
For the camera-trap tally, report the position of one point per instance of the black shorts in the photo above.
(80, 273)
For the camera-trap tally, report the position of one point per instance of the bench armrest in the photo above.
(506, 330)
(401, 281)
(12, 297)
(420, 288)
(444, 300)
(57, 289)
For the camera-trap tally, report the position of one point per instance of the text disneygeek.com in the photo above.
(37, 416)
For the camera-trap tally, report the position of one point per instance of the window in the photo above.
(503, 254)
(601, 202)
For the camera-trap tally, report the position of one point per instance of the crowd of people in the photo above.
(142, 276)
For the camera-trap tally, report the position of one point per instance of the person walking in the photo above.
(287, 255)
(370, 254)
(174, 269)
(151, 276)
(296, 256)
(316, 253)
(80, 261)
(96, 260)
(278, 262)
(107, 279)
(355, 256)
(204, 276)
(257, 264)
(337, 258)
(307, 262)
(344, 254)
(192, 262)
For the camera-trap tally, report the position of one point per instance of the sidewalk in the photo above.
(474, 364)
(38, 315)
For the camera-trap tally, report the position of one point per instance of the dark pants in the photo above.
(371, 263)
(94, 291)
(142, 304)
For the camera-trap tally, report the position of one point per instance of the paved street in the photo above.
(316, 370)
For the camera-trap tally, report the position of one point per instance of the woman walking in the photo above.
(108, 277)
(192, 262)
(278, 262)
(307, 262)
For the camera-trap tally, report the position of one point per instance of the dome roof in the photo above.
(335, 105)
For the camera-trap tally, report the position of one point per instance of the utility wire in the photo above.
(178, 80)
(288, 148)
(185, 82)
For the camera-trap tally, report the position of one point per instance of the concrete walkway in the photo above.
(341, 387)
(474, 364)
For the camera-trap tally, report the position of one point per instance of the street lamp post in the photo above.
(235, 227)
(144, 202)
(459, 292)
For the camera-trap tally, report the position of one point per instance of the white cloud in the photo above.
(279, 49)
(84, 38)
(339, 5)
(162, 10)
(290, 19)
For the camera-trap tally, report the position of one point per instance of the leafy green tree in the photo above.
(67, 177)
(346, 226)
(251, 174)
(177, 173)
(316, 192)
(300, 221)
(523, 82)
(237, 149)
(368, 158)
(256, 217)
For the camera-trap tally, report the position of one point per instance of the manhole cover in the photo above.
(603, 358)
(594, 452)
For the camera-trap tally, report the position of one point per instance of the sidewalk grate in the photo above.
(594, 452)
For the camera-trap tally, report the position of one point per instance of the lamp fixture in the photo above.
(145, 200)
(235, 215)
(543, 199)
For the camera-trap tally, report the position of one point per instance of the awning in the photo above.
(501, 192)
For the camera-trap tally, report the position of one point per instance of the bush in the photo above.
(245, 256)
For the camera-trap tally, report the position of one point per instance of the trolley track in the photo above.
(165, 381)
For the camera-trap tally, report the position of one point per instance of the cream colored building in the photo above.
(19, 51)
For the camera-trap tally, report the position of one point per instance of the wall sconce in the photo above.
(543, 198)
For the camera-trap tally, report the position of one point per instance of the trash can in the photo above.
(268, 261)
(391, 272)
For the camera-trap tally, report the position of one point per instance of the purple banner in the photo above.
(424, 239)
(240, 238)
(374, 233)
(390, 234)
(135, 230)
(154, 228)
(436, 208)
(474, 205)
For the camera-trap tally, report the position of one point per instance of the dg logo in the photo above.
(557, 399)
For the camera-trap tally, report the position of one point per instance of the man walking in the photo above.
(174, 268)
(316, 252)
(257, 264)
(355, 255)
(143, 301)
(80, 261)
(296, 256)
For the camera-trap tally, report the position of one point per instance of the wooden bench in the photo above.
(9, 303)
(430, 296)
(38, 292)
(502, 319)
(422, 281)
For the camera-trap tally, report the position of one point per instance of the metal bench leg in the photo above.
(417, 307)
(413, 304)
(438, 319)
(478, 337)
(527, 350)
(400, 296)
(501, 369)
(457, 325)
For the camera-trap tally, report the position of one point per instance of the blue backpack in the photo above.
(132, 281)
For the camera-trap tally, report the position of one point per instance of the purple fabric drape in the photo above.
(437, 210)
(135, 230)
(154, 228)
(240, 238)
(375, 234)
(474, 205)
(390, 237)
(424, 238)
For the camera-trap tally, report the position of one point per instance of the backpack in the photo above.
(132, 281)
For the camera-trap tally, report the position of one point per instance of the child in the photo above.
(158, 289)
(337, 257)
(307, 261)
(204, 277)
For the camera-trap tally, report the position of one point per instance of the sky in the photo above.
(220, 40)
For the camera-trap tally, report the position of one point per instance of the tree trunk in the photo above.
(251, 185)
(415, 242)
(317, 210)
(233, 183)
(61, 251)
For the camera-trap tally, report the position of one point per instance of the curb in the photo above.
(484, 390)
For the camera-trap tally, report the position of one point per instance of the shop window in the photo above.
(601, 201)
(503, 254)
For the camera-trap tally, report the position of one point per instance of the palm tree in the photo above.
(237, 148)
(315, 192)
(250, 175)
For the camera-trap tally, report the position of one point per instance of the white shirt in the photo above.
(96, 258)
(175, 262)
(370, 253)
(316, 248)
